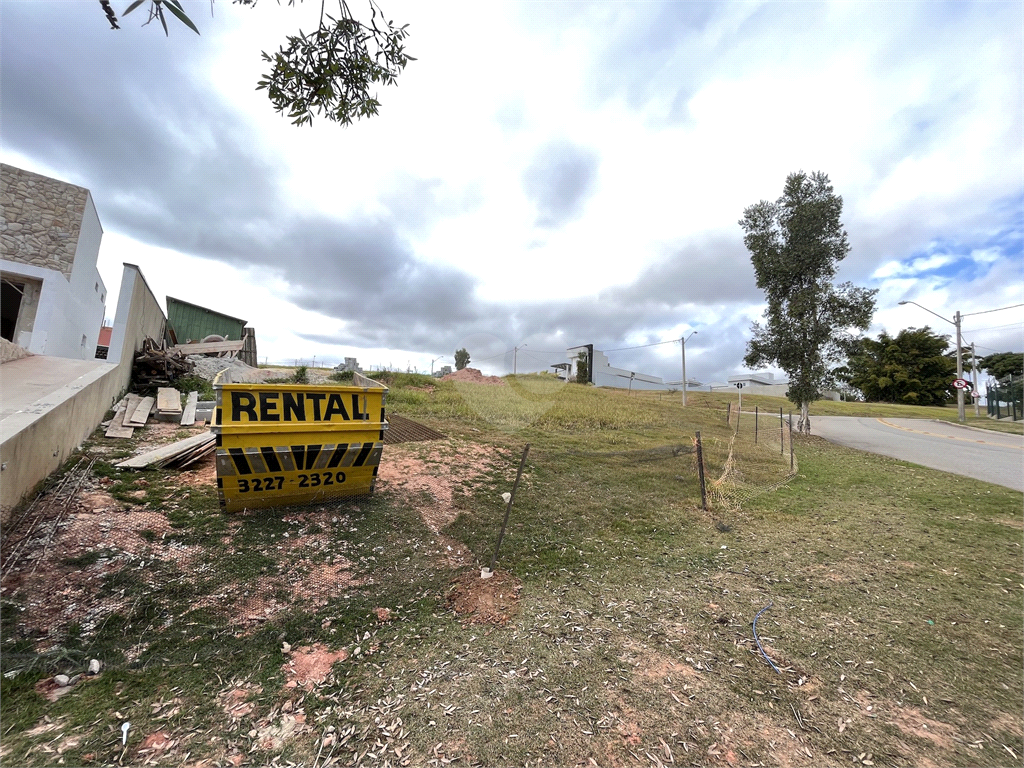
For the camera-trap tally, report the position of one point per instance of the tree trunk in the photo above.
(804, 424)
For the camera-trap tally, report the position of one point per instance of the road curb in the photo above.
(973, 429)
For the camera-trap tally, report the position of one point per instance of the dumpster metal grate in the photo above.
(403, 430)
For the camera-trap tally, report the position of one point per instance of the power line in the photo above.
(997, 327)
(986, 311)
(484, 359)
(642, 346)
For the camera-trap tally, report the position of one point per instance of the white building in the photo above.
(765, 383)
(53, 297)
(603, 375)
(759, 383)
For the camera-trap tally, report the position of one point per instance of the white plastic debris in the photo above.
(286, 647)
(486, 573)
(506, 497)
(124, 733)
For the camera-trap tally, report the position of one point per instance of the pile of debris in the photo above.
(157, 366)
(179, 455)
(134, 411)
(474, 376)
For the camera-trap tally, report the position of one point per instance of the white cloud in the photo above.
(692, 110)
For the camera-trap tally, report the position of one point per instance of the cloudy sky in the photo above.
(545, 174)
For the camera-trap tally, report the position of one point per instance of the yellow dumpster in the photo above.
(282, 444)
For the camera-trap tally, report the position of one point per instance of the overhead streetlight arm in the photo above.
(928, 310)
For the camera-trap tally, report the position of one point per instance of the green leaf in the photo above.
(175, 7)
(132, 7)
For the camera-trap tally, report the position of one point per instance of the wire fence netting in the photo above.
(134, 569)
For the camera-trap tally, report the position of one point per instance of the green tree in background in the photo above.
(582, 368)
(1003, 364)
(461, 359)
(327, 72)
(914, 368)
(795, 244)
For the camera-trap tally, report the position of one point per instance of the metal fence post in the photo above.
(755, 424)
(508, 507)
(728, 413)
(790, 441)
(782, 432)
(700, 472)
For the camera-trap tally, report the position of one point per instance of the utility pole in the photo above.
(682, 342)
(974, 379)
(960, 415)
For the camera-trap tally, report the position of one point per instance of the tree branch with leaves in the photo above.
(327, 73)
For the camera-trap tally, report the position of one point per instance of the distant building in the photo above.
(350, 364)
(759, 383)
(765, 383)
(445, 370)
(602, 374)
(52, 298)
(190, 322)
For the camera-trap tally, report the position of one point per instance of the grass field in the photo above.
(833, 408)
(617, 630)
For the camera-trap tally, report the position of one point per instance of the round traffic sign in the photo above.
(961, 383)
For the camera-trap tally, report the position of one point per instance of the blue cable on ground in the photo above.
(756, 640)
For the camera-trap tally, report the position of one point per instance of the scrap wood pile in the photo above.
(179, 455)
(157, 366)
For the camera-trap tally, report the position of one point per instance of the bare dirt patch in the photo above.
(485, 601)
(911, 722)
(311, 584)
(310, 666)
(235, 704)
(434, 487)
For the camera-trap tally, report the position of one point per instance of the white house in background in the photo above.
(603, 375)
(759, 383)
(765, 383)
(53, 297)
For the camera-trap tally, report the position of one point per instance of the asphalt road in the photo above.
(994, 457)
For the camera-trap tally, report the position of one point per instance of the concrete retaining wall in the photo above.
(39, 437)
(37, 441)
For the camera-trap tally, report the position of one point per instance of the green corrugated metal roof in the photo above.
(190, 321)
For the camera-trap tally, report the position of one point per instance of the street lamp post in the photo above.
(683, 345)
(960, 415)
(432, 364)
(515, 355)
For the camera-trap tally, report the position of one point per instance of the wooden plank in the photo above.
(141, 415)
(129, 409)
(114, 427)
(168, 400)
(197, 458)
(188, 415)
(213, 346)
(166, 452)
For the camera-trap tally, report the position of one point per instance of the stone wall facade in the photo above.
(40, 219)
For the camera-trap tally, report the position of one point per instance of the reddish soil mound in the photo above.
(486, 601)
(473, 376)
